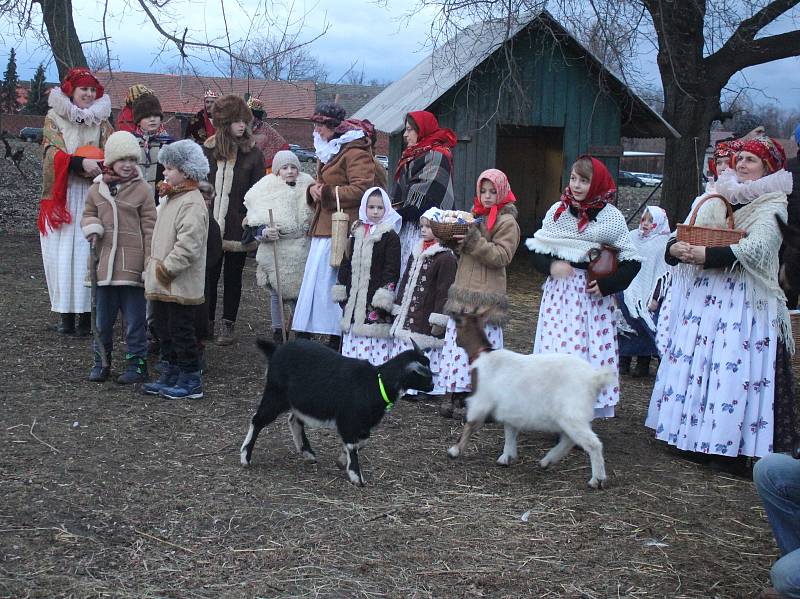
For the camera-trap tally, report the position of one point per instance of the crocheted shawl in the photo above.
(326, 150)
(562, 239)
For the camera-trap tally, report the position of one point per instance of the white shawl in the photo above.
(325, 150)
(95, 114)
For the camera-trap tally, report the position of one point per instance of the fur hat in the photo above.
(187, 157)
(230, 109)
(146, 105)
(136, 90)
(283, 158)
(329, 114)
(121, 144)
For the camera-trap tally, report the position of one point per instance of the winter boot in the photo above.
(135, 372)
(168, 377)
(100, 373)
(335, 342)
(188, 386)
(625, 365)
(277, 336)
(84, 326)
(303, 335)
(226, 336)
(66, 326)
(642, 367)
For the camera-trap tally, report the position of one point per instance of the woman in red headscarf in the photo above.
(423, 178)
(724, 384)
(75, 128)
(576, 315)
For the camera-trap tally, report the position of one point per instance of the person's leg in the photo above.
(134, 311)
(232, 283)
(777, 480)
(169, 368)
(106, 314)
(785, 575)
(212, 282)
(190, 383)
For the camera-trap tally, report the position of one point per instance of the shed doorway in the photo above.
(533, 159)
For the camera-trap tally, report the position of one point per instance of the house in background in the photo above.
(556, 102)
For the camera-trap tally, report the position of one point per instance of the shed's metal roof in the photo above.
(437, 73)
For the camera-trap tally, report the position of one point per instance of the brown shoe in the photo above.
(226, 336)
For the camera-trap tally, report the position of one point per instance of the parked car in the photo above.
(303, 154)
(629, 179)
(648, 179)
(384, 160)
(31, 134)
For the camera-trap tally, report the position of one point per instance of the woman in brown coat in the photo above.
(235, 166)
(346, 169)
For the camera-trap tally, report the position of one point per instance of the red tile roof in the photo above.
(184, 94)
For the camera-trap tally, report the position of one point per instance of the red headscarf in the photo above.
(723, 149)
(80, 77)
(504, 195)
(430, 138)
(601, 192)
(769, 150)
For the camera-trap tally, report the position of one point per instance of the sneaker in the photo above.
(135, 372)
(100, 373)
(226, 336)
(188, 386)
(168, 377)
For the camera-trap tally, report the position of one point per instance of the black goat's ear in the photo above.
(416, 347)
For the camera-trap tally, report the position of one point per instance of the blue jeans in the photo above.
(130, 300)
(777, 479)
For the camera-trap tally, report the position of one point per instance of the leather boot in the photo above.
(277, 336)
(226, 336)
(66, 325)
(335, 343)
(84, 326)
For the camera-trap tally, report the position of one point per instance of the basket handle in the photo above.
(338, 206)
(709, 197)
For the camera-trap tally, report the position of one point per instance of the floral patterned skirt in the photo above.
(715, 386)
(376, 350)
(574, 322)
(455, 373)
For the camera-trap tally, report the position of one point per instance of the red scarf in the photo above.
(427, 244)
(601, 191)
(111, 178)
(210, 130)
(53, 211)
(165, 190)
(430, 138)
(501, 184)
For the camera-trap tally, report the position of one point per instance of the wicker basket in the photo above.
(445, 231)
(710, 236)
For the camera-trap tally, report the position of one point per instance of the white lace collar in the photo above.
(326, 150)
(99, 111)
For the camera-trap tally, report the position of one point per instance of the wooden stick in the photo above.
(278, 278)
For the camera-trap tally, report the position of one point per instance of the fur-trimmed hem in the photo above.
(158, 297)
(495, 305)
(369, 330)
(438, 319)
(93, 229)
(424, 341)
(339, 293)
(471, 240)
(383, 299)
(237, 246)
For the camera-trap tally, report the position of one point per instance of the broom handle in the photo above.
(278, 278)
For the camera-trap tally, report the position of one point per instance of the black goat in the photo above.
(321, 388)
(790, 259)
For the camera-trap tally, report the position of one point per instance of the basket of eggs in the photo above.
(452, 222)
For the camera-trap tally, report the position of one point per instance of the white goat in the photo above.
(545, 392)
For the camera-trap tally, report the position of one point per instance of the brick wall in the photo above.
(14, 122)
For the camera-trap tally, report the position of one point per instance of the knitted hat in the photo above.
(769, 150)
(744, 123)
(119, 145)
(186, 156)
(136, 90)
(230, 109)
(80, 77)
(329, 114)
(146, 105)
(283, 158)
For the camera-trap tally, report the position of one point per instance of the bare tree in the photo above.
(700, 46)
(280, 58)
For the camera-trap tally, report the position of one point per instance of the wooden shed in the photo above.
(524, 97)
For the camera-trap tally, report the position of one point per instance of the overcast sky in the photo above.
(377, 38)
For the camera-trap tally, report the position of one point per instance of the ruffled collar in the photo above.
(98, 112)
(326, 150)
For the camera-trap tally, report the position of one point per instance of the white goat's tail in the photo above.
(603, 377)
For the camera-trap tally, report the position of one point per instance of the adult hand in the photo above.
(561, 269)
(593, 289)
(316, 192)
(271, 233)
(697, 255)
(93, 239)
(91, 168)
(680, 250)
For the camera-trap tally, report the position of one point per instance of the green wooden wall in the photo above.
(561, 91)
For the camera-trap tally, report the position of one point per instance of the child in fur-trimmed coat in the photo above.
(422, 294)
(367, 279)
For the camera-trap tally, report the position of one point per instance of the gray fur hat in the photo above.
(187, 157)
(282, 158)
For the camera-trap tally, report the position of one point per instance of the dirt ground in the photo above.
(107, 493)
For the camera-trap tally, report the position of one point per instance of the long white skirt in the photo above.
(316, 312)
(376, 350)
(455, 370)
(409, 238)
(715, 386)
(65, 253)
(573, 322)
(434, 355)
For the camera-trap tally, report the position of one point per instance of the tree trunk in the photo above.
(64, 41)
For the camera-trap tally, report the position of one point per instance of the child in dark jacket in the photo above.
(367, 279)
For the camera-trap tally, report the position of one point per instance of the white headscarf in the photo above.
(651, 246)
(390, 215)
